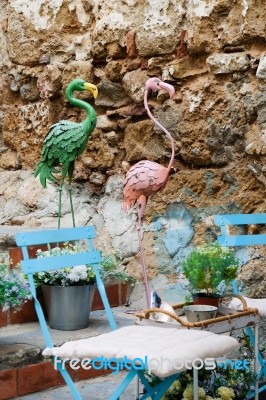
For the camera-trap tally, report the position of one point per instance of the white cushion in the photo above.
(260, 304)
(151, 342)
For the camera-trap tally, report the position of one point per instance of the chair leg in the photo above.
(195, 383)
(123, 385)
(137, 388)
(156, 392)
(258, 357)
(163, 387)
(74, 391)
(104, 299)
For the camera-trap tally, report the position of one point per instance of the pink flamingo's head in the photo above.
(156, 84)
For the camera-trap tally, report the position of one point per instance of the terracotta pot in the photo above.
(203, 298)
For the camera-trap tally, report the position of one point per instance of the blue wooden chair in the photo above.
(228, 239)
(126, 340)
(32, 265)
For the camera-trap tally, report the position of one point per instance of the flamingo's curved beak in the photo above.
(91, 88)
(157, 84)
(168, 88)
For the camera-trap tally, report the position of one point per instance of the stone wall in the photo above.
(213, 52)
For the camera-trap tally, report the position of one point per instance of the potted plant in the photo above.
(68, 292)
(14, 290)
(206, 268)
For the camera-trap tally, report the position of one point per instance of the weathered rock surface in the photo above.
(142, 143)
(252, 276)
(227, 63)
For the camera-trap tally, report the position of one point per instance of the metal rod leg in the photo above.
(195, 383)
(256, 359)
(59, 206)
(137, 387)
(71, 205)
(144, 268)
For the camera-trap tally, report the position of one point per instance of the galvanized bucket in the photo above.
(68, 307)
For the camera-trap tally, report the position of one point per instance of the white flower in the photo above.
(77, 273)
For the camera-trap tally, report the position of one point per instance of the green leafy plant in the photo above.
(110, 269)
(14, 290)
(219, 384)
(222, 383)
(209, 265)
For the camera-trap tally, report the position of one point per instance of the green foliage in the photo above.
(110, 269)
(14, 290)
(209, 265)
(218, 384)
(81, 274)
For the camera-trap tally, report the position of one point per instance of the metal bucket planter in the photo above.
(68, 307)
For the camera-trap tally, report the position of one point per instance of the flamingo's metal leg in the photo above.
(143, 263)
(71, 204)
(70, 175)
(59, 205)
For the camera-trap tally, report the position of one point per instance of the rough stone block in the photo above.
(261, 71)
(227, 63)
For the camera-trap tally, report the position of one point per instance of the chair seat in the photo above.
(154, 343)
(260, 304)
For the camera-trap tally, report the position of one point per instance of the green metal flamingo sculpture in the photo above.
(65, 141)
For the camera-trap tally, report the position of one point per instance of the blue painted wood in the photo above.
(164, 386)
(224, 221)
(156, 392)
(74, 391)
(242, 240)
(30, 266)
(57, 262)
(92, 257)
(123, 385)
(104, 298)
(240, 219)
(55, 235)
(227, 220)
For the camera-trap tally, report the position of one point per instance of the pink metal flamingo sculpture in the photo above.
(147, 177)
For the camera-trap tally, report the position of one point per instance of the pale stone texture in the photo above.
(49, 82)
(142, 143)
(252, 276)
(134, 85)
(111, 95)
(261, 71)
(186, 67)
(227, 63)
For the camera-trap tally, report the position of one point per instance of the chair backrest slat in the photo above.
(58, 262)
(240, 219)
(55, 235)
(226, 239)
(40, 264)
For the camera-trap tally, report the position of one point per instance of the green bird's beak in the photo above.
(91, 88)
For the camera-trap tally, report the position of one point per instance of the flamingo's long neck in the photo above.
(162, 128)
(91, 114)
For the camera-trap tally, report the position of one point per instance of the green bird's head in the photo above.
(80, 85)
